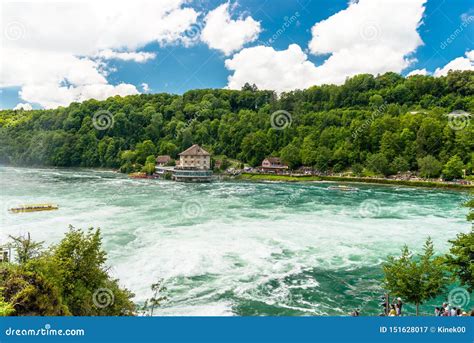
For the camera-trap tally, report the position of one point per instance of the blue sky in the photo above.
(196, 50)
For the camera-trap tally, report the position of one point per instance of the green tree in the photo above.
(25, 248)
(378, 163)
(159, 297)
(323, 158)
(143, 150)
(399, 164)
(453, 169)
(81, 270)
(291, 156)
(460, 259)
(357, 169)
(429, 166)
(150, 164)
(416, 279)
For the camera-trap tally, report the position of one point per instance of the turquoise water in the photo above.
(237, 248)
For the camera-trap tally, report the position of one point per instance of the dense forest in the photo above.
(381, 124)
(69, 278)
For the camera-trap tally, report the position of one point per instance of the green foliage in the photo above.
(429, 166)
(357, 169)
(453, 168)
(159, 297)
(415, 278)
(379, 164)
(291, 155)
(399, 165)
(383, 122)
(470, 204)
(30, 292)
(65, 279)
(25, 248)
(149, 166)
(460, 259)
(6, 309)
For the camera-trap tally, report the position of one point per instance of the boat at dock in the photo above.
(34, 208)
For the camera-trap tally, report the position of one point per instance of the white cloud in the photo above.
(57, 52)
(139, 56)
(270, 69)
(460, 63)
(145, 87)
(223, 33)
(370, 36)
(53, 95)
(23, 106)
(418, 72)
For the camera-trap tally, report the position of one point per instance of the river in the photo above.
(237, 248)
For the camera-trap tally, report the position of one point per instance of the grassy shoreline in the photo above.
(306, 178)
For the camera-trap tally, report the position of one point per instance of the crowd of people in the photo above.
(395, 310)
(451, 311)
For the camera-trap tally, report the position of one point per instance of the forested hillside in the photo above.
(382, 124)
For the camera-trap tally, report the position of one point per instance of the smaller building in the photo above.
(5, 253)
(163, 160)
(273, 165)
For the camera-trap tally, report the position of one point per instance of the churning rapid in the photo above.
(237, 248)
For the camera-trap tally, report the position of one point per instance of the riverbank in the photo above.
(306, 178)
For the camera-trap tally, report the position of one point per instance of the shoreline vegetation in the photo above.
(352, 179)
(370, 126)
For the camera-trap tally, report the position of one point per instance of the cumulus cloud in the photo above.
(57, 52)
(223, 33)
(418, 72)
(145, 87)
(271, 69)
(23, 106)
(139, 56)
(460, 63)
(52, 95)
(370, 36)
